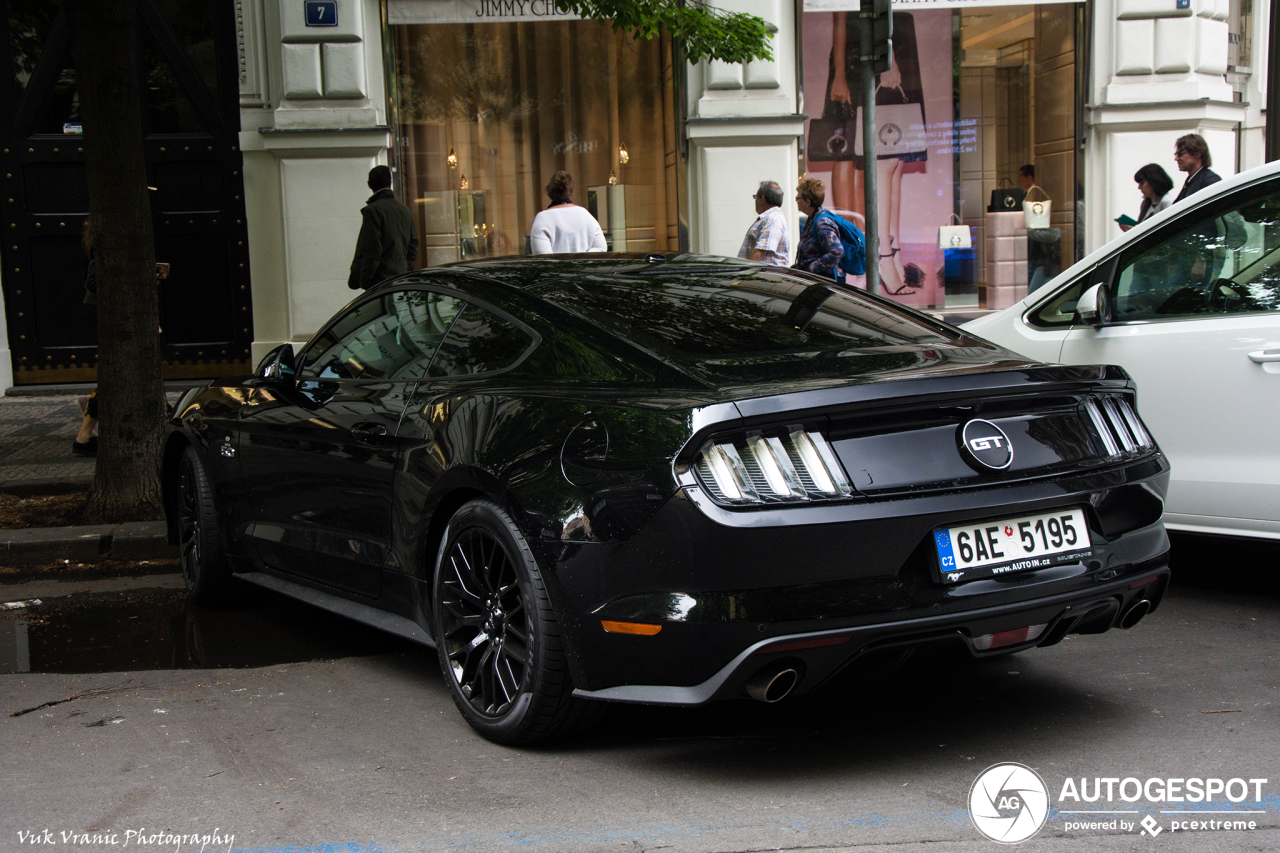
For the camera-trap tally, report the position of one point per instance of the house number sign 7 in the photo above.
(321, 13)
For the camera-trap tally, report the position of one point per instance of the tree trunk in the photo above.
(105, 41)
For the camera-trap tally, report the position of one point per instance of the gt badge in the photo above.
(986, 444)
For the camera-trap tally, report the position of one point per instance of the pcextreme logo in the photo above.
(1009, 803)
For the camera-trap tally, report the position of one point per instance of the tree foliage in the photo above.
(704, 32)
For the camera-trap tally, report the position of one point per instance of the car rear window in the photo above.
(759, 316)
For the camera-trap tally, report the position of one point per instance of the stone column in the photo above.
(743, 127)
(313, 123)
(1159, 71)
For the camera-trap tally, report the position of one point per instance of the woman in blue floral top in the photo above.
(820, 249)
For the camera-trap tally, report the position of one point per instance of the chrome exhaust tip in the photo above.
(773, 683)
(1134, 614)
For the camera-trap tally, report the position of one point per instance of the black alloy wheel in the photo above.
(497, 635)
(204, 563)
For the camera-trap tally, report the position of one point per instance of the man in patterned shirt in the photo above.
(766, 239)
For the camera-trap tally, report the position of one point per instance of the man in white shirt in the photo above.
(766, 239)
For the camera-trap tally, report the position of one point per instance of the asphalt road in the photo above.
(367, 753)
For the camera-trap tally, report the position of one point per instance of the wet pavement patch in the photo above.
(161, 629)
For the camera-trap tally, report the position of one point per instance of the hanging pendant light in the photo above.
(463, 184)
(613, 179)
(452, 159)
(623, 156)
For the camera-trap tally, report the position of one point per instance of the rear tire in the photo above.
(497, 635)
(204, 558)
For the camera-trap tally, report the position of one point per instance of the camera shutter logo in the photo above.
(987, 444)
(1008, 803)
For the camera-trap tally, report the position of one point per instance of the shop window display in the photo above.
(973, 95)
(487, 112)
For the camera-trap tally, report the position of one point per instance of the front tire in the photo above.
(204, 559)
(497, 634)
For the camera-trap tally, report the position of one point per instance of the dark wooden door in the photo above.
(191, 121)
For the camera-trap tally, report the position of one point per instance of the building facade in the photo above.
(476, 103)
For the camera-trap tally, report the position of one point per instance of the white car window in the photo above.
(1222, 259)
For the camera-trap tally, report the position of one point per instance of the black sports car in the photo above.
(666, 480)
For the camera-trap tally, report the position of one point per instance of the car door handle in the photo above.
(1263, 356)
(369, 433)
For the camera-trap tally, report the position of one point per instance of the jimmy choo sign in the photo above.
(472, 11)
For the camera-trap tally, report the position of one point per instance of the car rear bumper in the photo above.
(818, 655)
(727, 587)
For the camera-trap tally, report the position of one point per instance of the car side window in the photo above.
(392, 336)
(479, 341)
(1222, 259)
(1060, 311)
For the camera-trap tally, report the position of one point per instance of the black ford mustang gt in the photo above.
(666, 480)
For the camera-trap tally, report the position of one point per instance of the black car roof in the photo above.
(534, 270)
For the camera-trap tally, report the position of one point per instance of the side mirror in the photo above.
(1094, 306)
(276, 367)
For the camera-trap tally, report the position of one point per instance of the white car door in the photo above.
(1195, 319)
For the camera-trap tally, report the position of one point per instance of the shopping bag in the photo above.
(899, 131)
(829, 139)
(1005, 199)
(954, 236)
(1035, 212)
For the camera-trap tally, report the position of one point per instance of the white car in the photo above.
(1188, 302)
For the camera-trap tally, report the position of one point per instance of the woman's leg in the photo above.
(846, 186)
(895, 203)
(888, 184)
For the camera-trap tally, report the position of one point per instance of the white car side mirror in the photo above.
(1094, 306)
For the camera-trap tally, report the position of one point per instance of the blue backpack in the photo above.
(854, 261)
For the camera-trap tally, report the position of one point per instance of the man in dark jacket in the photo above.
(1191, 153)
(388, 243)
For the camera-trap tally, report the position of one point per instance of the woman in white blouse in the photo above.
(564, 227)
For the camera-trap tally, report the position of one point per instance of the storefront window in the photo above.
(486, 111)
(974, 95)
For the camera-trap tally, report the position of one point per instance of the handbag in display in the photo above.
(830, 137)
(1036, 212)
(956, 236)
(900, 129)
(1006, 199)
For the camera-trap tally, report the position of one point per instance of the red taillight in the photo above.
(1016, 637)
(804, 644)
(1137, 584)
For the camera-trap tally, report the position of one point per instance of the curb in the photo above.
(135, 540)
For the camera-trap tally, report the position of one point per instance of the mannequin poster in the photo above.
(917, 140)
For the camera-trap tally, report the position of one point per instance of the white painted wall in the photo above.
(1159, 73)
(6, 355)
(743, 128)
(313, 118)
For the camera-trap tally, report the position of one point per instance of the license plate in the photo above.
(990, 548)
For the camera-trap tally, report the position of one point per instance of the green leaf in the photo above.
(703, 32)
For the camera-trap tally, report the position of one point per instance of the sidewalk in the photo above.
(35, 444)
(37, 426)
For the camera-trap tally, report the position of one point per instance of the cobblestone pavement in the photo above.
(35, 440)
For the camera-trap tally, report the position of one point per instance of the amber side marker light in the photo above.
(630, 628)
